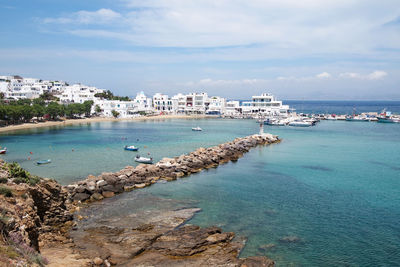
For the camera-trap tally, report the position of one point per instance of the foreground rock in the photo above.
(163, 240)
(168, 169)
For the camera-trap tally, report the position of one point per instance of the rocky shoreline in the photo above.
(42, 214)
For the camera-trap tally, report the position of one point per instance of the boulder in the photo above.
(140, 185)
(108, 194)
(80, 196)
(96, 196)
(101, 183)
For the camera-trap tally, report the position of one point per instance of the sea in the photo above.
(327, 195)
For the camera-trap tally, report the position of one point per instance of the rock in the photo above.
(267, 247)
(216, 238)
(97, 261)
(108, 194)
(128, 188)
(140, 185)
(113, 188)
(81, 196)
(80, 189)
(101, 183)
(290, 239)
(257, 262)
(96, 196)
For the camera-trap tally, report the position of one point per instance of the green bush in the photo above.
(3, 180)
(17, 171)
(5, 191)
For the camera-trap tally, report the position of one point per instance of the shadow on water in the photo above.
(385, 165)
(317, 168)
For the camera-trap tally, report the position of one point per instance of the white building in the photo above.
(196, 102)
(232, 108)
(78, 93)
(215, 105)
(143, 103)
(125, 109)
(179, 101)
(162, 103)
(264, 104)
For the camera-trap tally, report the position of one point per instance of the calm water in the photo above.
(343, 107)
(335, 186)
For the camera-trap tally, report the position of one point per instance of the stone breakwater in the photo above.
(95, 188)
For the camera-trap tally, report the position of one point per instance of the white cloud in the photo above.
(376, 75)
(323, 75)
(101, 16)
(310, 26)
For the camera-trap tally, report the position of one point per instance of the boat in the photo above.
(388, 120)
(131, 148)
(143, 160)
(46, 161)
(300, 124)
(3, 151)
(356, 118)
(387, 117)
(197, 129)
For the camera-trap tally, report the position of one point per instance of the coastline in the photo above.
(26, 126)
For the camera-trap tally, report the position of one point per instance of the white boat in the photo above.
(143, 160)
(300, 124)
(131, 148)
(197, 129)
(3, 151)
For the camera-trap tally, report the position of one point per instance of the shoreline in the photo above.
(27, 126)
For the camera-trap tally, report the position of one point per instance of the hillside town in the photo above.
(104, 103)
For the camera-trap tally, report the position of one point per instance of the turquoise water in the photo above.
(336, 186)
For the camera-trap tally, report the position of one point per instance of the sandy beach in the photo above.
(25, 126)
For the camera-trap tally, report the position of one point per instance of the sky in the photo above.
(309, 49)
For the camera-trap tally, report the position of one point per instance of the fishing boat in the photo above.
(387, 117)
(46, 161)
(3, 151)
(131, 148)
(197, 129)
(143, 160)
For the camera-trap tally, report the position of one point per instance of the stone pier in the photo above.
(95, 188)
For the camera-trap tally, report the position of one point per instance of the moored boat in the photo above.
(3, 151)
(131, 148)
(197, 129)
(46, 161)
(300, 124)
(143, 160)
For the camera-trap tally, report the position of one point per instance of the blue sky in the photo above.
(310, 49)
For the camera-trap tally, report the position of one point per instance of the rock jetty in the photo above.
(95, 188)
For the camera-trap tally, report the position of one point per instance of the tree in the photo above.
(97, 109)
(38, 110)
(53, 109)
(39, 101)
(26, 112)
(88, 107)
(115, 113)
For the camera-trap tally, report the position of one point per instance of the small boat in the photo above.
(3, 151)
(197, 129)
(131, 148)
(46, 161)
(143, 160)
(300, 124)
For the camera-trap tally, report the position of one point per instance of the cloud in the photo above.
(101, 16)
(323, 75)
(310, 26)
(376, 75)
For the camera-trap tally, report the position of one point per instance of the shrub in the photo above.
(3, 180)
(17, 171)
(16, 240)
(5, 191)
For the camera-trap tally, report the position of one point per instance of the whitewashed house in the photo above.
(78, 93)
(265, 104)
(143, 103)
(215, 105)
(162, 103)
